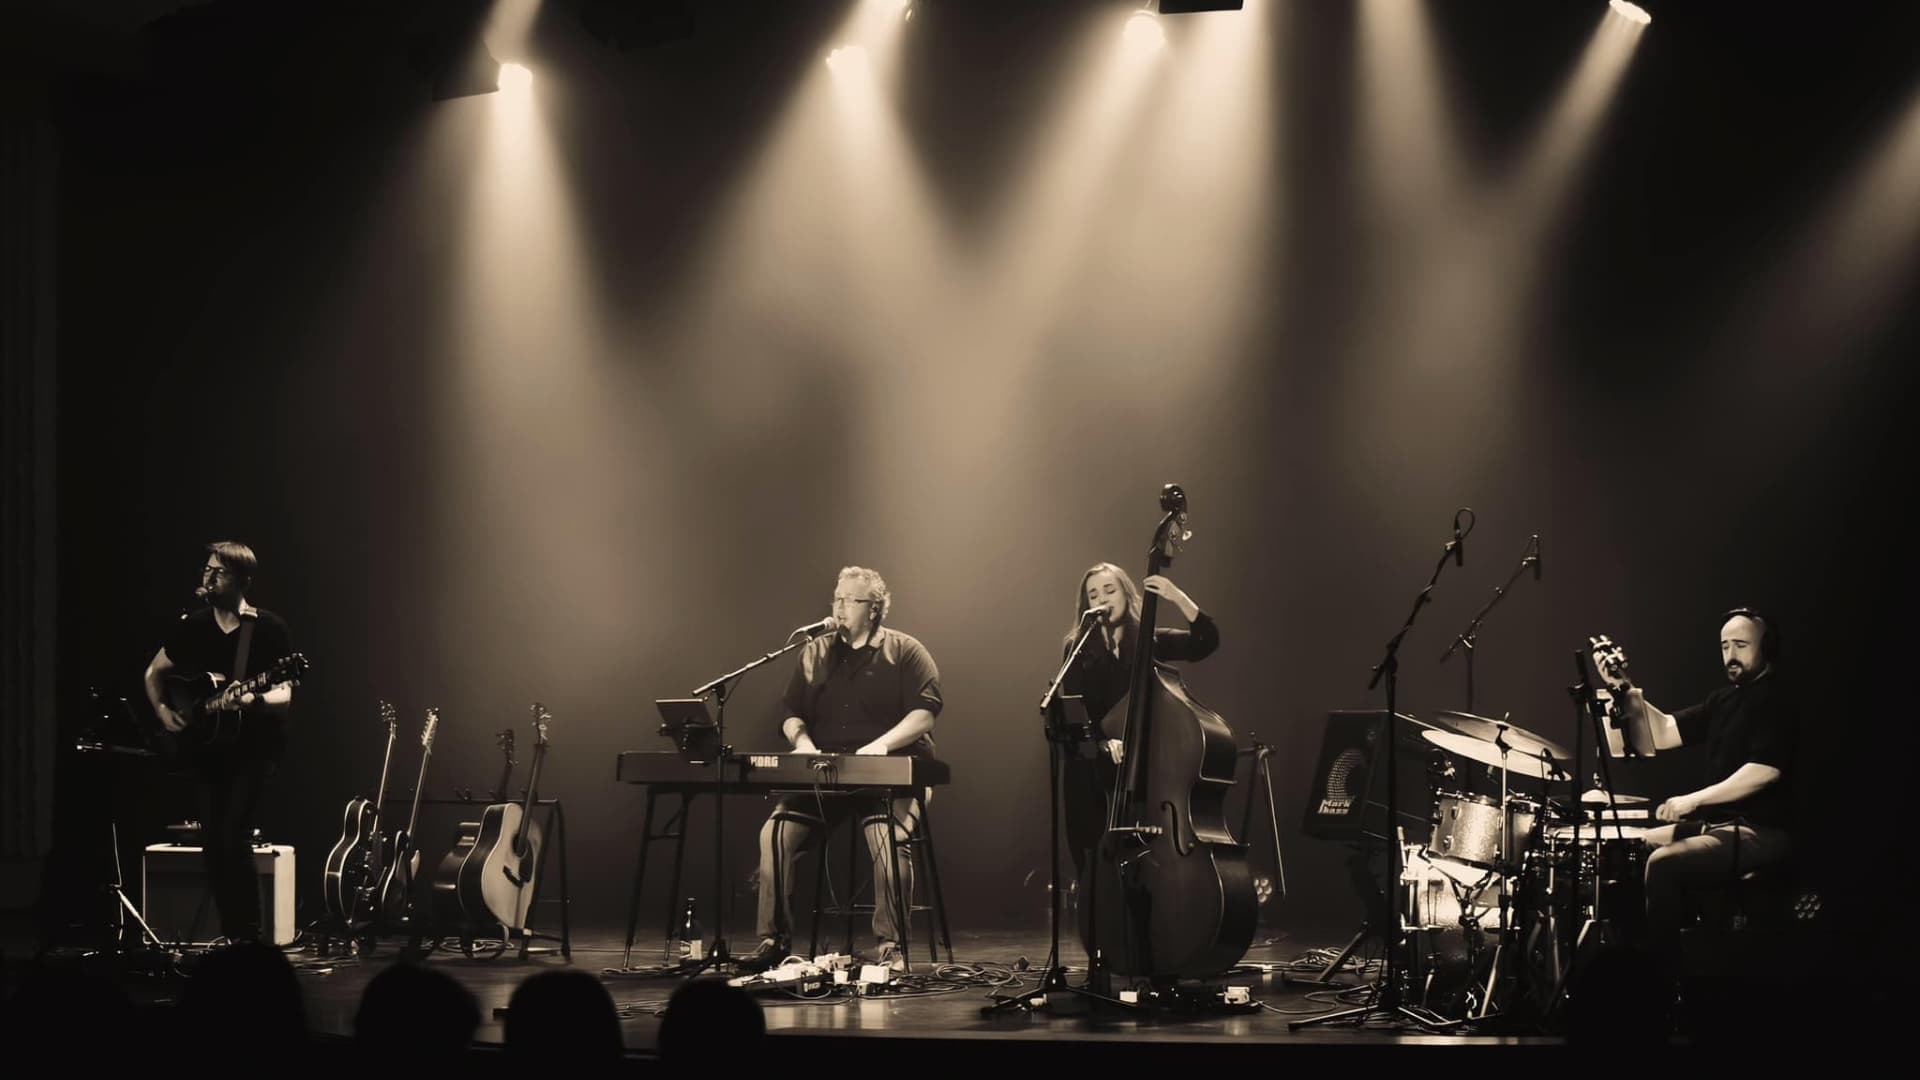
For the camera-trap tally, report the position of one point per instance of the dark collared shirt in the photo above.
(850, 697)
(1755, 721)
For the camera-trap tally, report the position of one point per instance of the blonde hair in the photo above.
(875, 584)
(1127, 588)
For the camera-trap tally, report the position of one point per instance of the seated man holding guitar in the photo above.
(1741, 821)
(865, 688)
(229, 726)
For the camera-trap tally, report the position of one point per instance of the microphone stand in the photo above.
(1386, 997)
(722, 688)
(1053, 979)
(1467, 636)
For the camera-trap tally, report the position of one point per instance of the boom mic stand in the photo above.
(1063, 733)
(1386, 992)
(1468, 636)
(722, 688)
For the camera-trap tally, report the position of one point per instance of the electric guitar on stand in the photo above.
(357, 858)
(395, 892)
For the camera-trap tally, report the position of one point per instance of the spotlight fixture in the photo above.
(1188, 7)
(515, 78)
(1144, 31)
(1630, 11)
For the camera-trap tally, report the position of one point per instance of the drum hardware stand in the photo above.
(1387, 1000)
(1585, 707)
(1506, 866)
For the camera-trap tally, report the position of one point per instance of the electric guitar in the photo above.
(497, 882)
(446, 880)
(395, 893)
(209, 702)
(356, 861)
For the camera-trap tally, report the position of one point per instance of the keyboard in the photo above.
(783, 772)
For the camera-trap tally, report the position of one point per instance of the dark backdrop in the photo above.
(593, 416)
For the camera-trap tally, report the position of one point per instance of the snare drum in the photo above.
(1466, 828)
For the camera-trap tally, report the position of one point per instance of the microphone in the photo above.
(200, 591)
(825, 626)
(1097, 614)
(1536, 557)
(1459, 552)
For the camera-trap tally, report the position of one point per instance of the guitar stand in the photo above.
(424, 936)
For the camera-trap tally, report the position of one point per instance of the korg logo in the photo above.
(1336, 804)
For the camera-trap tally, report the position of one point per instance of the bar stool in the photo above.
(909, 849)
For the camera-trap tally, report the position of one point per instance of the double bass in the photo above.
(1167, 894)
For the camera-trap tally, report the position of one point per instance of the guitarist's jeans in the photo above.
(229, 789)
(798, 822)
(1713, 860)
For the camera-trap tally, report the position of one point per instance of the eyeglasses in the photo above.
(847, 601)
(215, 571)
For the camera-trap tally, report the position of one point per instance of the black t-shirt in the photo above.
(1101, 678)
(850, 697)
(197, 644)
(1756, 721)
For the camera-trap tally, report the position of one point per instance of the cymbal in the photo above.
(1488, 754)
(1518, 739)
(1597, 797)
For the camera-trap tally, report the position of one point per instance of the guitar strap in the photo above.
(242, 650)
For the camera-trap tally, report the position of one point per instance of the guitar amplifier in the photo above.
(176, 901)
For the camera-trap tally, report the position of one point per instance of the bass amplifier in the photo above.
(1347, 801)
(177, 902)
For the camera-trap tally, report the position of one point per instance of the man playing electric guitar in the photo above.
(231, 638)
(1742, 819)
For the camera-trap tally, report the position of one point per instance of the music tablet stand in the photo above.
(691, 728)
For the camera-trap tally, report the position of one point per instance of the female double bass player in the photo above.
(1167, 893)
(1100, 677)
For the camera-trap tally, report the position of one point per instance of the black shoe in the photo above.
(767, 954)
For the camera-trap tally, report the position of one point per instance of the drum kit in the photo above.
(1489, 902)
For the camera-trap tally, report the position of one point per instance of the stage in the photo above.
(917, 1020)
